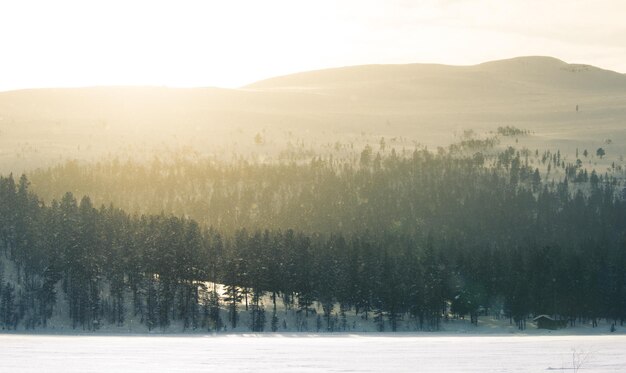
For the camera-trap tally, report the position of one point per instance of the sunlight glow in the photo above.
(229, 44)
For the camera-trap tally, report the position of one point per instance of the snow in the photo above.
(352, 106)
(310, 353)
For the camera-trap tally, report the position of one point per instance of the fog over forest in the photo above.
(378, 197)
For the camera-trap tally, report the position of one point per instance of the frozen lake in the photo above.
(310, 353)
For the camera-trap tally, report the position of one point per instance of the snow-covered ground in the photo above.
(312, 353)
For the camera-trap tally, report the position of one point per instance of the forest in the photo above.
(411, 235)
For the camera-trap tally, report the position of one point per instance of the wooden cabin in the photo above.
(547, 322)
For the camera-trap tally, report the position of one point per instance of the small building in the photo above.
(547, 322)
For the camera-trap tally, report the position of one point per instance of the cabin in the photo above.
(547, 322)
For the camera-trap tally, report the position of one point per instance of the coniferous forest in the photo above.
(419, 236)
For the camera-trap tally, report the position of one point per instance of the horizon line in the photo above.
(226, 87)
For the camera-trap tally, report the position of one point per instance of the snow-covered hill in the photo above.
(565, 105)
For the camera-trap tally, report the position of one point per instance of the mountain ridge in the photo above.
(356, 71)
(520, 67)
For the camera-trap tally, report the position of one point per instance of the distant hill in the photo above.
(546, 72)
(417, 102)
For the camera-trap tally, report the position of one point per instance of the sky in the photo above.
(189, 43)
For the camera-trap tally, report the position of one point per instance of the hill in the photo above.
(426, 103)
(521, 72)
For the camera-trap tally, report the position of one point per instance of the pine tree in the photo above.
(8, 309)
(152, 307)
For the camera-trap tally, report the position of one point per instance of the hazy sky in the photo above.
(229, 43)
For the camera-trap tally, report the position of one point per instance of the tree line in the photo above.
(418, 237)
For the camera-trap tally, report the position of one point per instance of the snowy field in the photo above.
(312, 353)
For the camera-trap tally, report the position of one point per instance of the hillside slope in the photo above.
(422, 102)
(547, 72)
